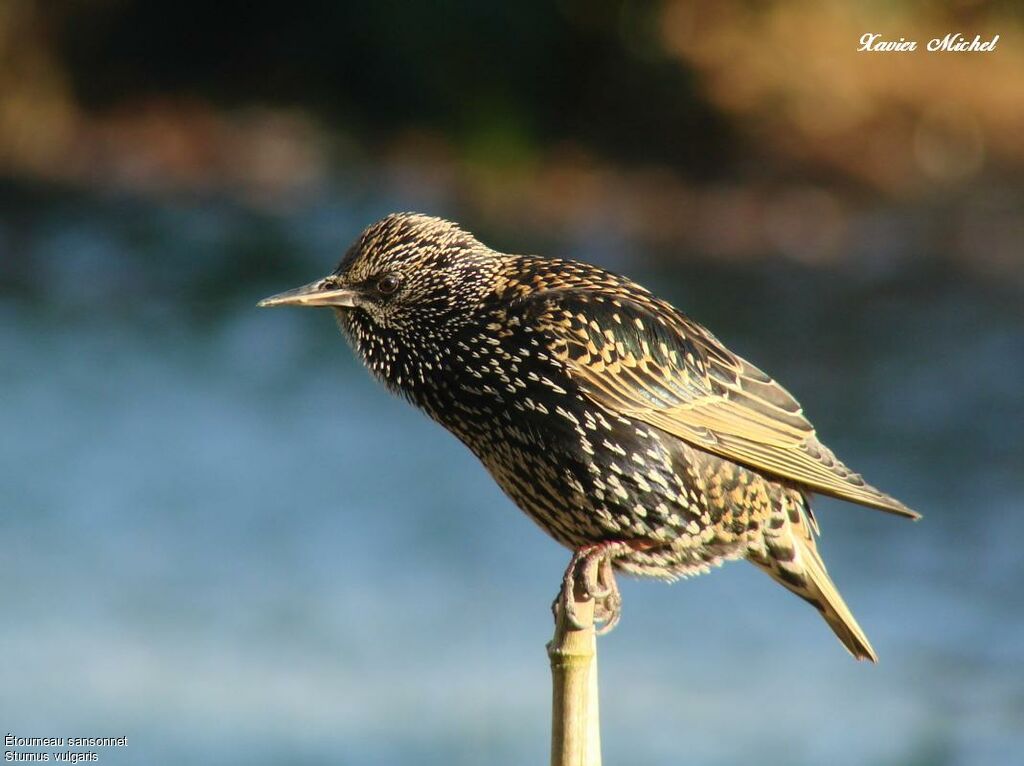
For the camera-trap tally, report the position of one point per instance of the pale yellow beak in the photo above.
(321, 293)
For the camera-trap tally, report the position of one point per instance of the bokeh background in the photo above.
(220, 539)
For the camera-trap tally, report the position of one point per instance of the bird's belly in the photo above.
(683, 508)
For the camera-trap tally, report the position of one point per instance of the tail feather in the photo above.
(791, 558)
(821, 592)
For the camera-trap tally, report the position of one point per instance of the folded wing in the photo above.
(643, 359)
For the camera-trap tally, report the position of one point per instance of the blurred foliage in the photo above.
(730, 129)
(587, 71)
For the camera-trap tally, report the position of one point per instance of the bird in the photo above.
(626, 430)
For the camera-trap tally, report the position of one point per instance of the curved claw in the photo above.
(610, 604)
(567, 605)
(571, 615)
(590, 576)
(595, 579)
(610, 614)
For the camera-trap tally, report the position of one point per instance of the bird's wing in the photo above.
(641, 358)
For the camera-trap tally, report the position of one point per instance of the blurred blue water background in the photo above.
(222, 540)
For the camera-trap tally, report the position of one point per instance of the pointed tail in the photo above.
(791, 558)
(822, 593)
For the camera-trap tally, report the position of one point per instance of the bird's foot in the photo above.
(608, 604)
(590, 576)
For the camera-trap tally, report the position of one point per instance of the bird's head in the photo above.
(407, 283)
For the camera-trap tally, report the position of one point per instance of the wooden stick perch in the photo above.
(575, 724)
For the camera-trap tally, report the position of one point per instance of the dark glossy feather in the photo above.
(641, 358)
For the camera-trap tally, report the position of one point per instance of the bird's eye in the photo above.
(387, 284)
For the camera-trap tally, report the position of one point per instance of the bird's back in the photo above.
(638, 356)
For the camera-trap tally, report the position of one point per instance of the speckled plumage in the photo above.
(608, 416)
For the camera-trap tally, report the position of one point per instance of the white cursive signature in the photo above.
(954, 42)
(875, 43)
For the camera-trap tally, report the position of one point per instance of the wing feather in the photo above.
(643, 359)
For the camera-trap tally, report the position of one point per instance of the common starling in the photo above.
(624, 429)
